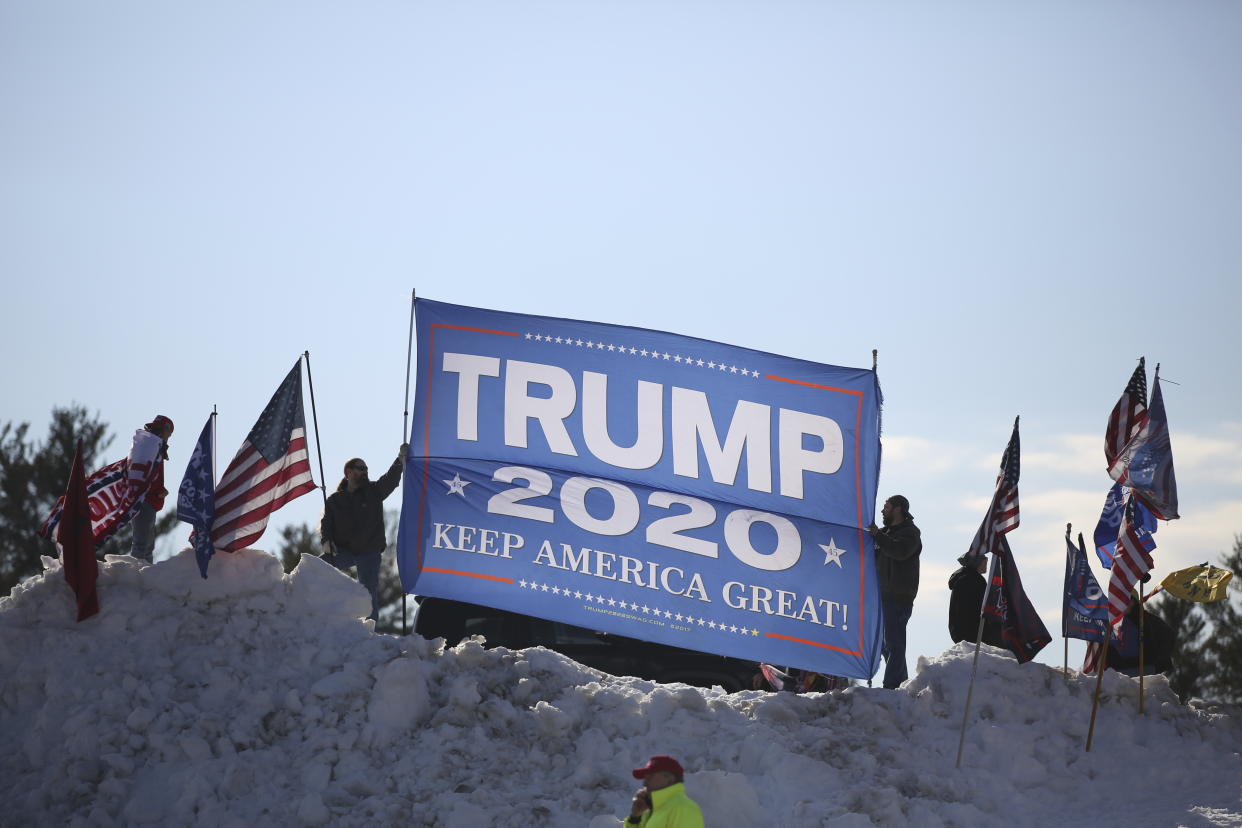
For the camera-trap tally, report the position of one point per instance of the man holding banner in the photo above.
(353, 522)
(897, 548)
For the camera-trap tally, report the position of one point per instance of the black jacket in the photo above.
(1158, 644)
(897, 551)
(965, 603)
(354, 521)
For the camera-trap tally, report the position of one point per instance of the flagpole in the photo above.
(1155, 380)
(1099, 677)
(405, 422)
(1142, 615)
(1064, 637)
(409, 351)
(323, 488)
(974, 664)
(213, 445)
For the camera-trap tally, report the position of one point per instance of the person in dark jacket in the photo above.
(352, 529)
(1158, 642)
(967, 587)
(897, 548)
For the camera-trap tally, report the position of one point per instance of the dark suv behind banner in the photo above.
(614, 654)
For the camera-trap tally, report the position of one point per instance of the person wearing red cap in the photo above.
(145, 473)
(662, 800)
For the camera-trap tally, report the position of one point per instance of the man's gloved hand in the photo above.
(403, 451)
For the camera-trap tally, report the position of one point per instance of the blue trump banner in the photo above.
(1084, 614)
(645, 484)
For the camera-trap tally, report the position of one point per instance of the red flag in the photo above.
(77, 543)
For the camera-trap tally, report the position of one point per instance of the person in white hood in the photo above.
(146, 481)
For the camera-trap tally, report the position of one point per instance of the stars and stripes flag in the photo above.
(1129, 415)
(1145, 463)
(113, 503)
(1003, 515)
(271, 468)
(1130, 563)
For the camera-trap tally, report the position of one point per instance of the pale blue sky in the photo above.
(1011, 201)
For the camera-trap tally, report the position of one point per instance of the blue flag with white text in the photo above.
(1084, 614)
(1146, 462)
(196, 500)
(646, 484)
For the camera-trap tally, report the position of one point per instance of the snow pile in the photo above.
(256, 697)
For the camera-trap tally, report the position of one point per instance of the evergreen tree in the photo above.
(1223, 647)
(1186, 621)
(32, 477)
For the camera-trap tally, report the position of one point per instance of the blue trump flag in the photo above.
(1110, 522)
(1084, 614)
(196, 499)
(645, 484)
(1146, 462)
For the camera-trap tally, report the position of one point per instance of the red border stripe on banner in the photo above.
(479, 575)
(862, 563)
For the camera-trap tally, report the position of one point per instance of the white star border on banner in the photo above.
(646, 609)
(645, 353)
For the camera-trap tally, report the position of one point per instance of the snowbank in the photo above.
(260, 698)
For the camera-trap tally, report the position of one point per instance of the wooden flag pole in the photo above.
(405, 425)
(323, 488)
(1142, 615)
(1099, 677)
(1064, 637)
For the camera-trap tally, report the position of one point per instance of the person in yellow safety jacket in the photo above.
(662, 800)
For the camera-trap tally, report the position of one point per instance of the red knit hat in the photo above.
(158, 423)
(659, 763)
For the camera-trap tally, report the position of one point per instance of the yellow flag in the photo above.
(1203, 583)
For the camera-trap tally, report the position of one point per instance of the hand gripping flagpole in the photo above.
(323, 487)
(405, 423)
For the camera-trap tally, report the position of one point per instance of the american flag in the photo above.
(1129, 414)
(1130, 563)
(1003, 514)
(271, 468)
